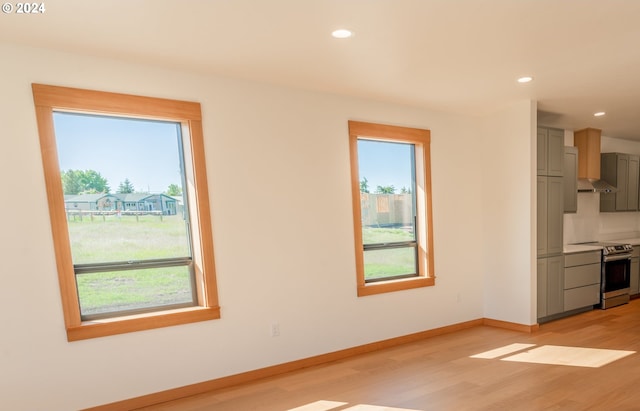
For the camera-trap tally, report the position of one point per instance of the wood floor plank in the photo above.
(439, 373)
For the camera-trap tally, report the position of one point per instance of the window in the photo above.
(128, 201)
(391, 189)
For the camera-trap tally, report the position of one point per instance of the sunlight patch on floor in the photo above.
(328, 405)
(319, 406)
(555, 355)
(572, 356)
(363, 407)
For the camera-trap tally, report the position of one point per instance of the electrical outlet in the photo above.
(275, 329)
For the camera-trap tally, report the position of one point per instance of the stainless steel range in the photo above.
(616, 274)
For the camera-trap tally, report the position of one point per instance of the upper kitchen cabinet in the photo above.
(550, 152)
(570, 180)
(622, 171)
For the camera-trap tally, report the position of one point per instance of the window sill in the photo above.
(395, 285)
(140, 322)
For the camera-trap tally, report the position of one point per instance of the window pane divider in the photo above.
(382, 246)
(131, 265)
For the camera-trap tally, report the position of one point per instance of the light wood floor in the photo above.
(438, 373)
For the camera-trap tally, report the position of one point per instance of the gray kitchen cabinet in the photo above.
(622, 171)
(555, 215)
(581, 283)
(542, 210)
(581, 297)
(634, 180)
(550, 299)
(550, 211)
(542, 280)
(550, 159)
(550, 216)
(635, 271)
(570, 179)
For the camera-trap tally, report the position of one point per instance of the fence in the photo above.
(78, 215)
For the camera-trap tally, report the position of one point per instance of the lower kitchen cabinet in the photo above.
(581, 283)
(550, 286)
(581, 297)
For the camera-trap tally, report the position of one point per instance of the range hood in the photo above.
(586, 185)
(588, 143)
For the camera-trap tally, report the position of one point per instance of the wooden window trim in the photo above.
(421, 139)
(49, 98)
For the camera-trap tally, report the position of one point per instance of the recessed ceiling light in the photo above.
(525, 79)
(342, 33)
(599, 114)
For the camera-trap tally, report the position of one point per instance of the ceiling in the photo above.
(462, 56)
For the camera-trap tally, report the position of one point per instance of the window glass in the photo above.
(387, 203)
(122, 180)
(389, 262)
(137, 290)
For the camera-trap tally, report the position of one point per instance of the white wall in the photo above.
(274, 263)
(509, 214)
(588, 223)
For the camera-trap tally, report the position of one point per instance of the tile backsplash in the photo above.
(589, 224)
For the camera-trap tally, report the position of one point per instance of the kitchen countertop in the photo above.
(581, 248)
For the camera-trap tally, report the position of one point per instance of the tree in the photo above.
(405, 190)
(125, 187)
(71, 183)
(364, 185)
(385, 189)
(94, 182)
(79, 182)
(174, 190)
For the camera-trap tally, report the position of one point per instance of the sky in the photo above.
(385, 164)
(144, 151)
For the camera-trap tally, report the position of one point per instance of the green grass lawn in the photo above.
(126, 238)
(389, 262)
(135, 289)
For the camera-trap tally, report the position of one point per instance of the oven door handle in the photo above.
(616, 257)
